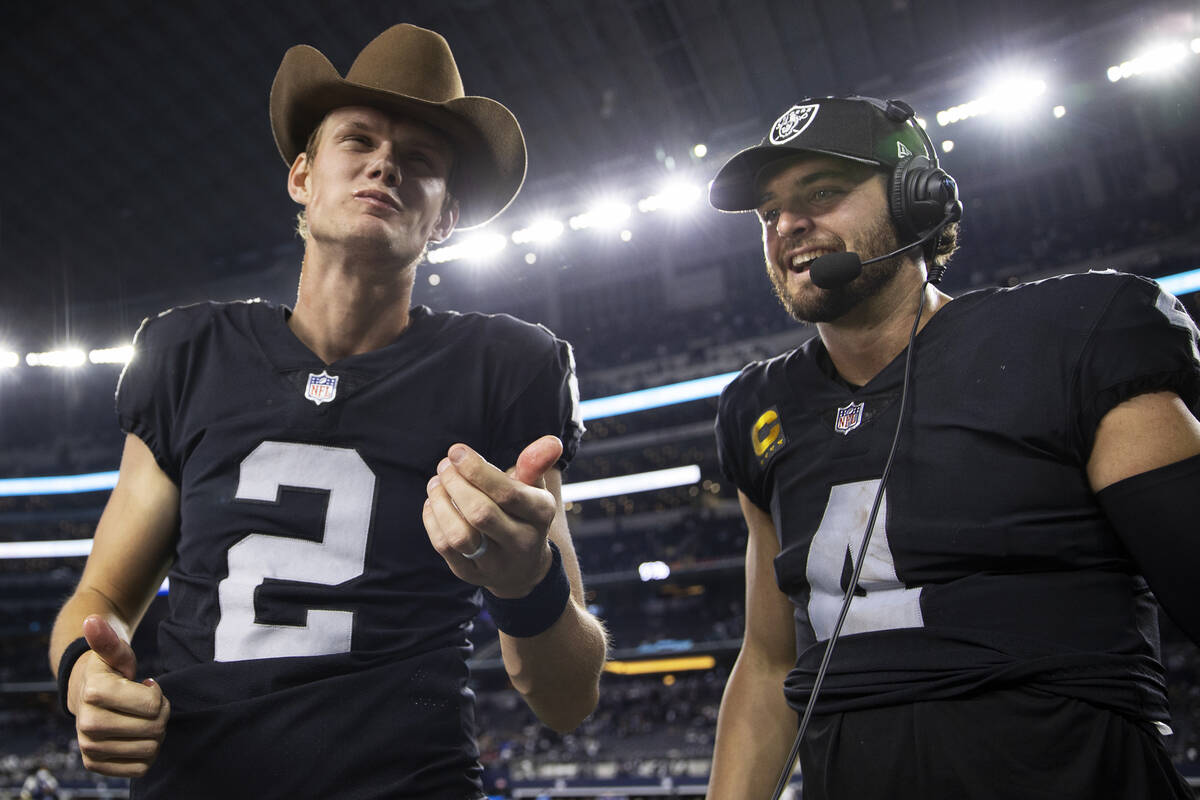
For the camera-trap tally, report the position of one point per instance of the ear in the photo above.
(445, 222)
(298, 179)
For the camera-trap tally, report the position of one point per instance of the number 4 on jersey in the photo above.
(888, 603)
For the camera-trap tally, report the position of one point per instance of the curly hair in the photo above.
(943, 246)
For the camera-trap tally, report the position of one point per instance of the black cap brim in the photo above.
(735, 187)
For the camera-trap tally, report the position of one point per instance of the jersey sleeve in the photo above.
(734, 445)
(547, 403)
(149, 392)
(1144, 341)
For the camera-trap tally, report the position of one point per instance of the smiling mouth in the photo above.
(801, 262)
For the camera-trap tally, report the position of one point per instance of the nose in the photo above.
(384, 168)
(792, 222)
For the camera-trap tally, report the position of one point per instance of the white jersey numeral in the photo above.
(887, 603)
(338, 557)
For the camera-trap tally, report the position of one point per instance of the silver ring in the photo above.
(483, 546)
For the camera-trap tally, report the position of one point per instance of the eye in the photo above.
(825, 194)
(769, 216)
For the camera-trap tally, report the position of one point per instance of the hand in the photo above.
(470, 499)
(120, 723)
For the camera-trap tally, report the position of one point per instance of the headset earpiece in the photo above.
(922, 196)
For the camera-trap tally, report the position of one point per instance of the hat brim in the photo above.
(735, 186)
(490, 158)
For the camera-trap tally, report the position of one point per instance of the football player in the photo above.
(1001, 638)
(324, 485)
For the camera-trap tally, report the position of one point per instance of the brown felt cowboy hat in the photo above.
(411, 71)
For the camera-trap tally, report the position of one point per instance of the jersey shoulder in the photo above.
(182, 324)
(765, 376)
(494, 332)
(1112, 336)
(1080, 298)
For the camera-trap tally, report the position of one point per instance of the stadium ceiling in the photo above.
(136, 151)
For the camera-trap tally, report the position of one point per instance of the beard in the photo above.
(812, 304)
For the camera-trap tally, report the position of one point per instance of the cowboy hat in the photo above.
(411, 71)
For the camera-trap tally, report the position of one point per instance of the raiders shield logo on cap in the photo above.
(793, 122)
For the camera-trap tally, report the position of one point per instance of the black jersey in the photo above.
(316, 642)
(990, 563)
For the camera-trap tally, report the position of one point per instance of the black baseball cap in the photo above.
(861, 129)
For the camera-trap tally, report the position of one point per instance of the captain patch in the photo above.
(767, 435)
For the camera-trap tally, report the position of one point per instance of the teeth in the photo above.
(804, 258)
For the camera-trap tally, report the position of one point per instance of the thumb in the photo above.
(112, 649)
(537, 459)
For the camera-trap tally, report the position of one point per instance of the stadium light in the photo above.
(57, 358)
(607, 214)
(543, 230)
(630, 484)
(656, 665)
(700, 150)
(948, 146)
(653, 571)
(677, 196)
(1158, 58)
(1181, 282)
(656, 397)
(63, 548)
(58, 484)
(111, 355)
(9, 359)
(1060, 112)
(1011, 97)
(478, 247)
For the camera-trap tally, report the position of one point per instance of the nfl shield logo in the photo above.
(321, 388)
(793, 122)
(848, 418)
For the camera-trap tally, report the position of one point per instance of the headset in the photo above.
(922, 201)
(923, 196)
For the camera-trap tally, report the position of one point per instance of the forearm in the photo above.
(558, 671)
(755, 731)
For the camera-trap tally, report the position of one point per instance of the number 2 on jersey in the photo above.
(338, 557)
(888, 603)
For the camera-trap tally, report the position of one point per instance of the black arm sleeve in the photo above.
(1156, 514)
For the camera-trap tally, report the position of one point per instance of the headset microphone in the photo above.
(835, 269)
(838, 269)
